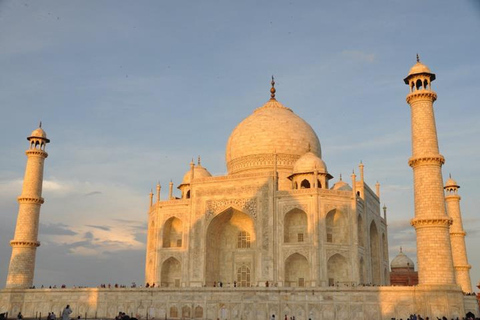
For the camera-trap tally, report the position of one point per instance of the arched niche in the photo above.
(171, 273)
(385, 247)
(173, 233)
(337, 227)
(375, 254)
(337, 270)
(230, 240)
(297, 271)
(198, 312)
(295, 226)
(362, 272)
(243, 276)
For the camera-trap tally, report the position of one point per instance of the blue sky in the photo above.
(130, 91)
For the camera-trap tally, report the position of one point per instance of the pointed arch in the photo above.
(173, 312)
(198, 312)
(337, 227)
(171, 273)
(362, 278)
(173, 233)
(295, 226)
(186, 312)
(297, 271)
(337, 270)
(385, 247)
(230, 238)
(360, 231)
(305, 184)
(375, 253)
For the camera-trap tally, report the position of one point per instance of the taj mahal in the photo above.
(277, 235)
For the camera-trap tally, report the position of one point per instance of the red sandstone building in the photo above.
(403, 271)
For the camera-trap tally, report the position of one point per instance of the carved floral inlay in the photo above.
(248, 205)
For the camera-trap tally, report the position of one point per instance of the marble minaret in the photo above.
(431, 222)
(457, 236)
(25, 241)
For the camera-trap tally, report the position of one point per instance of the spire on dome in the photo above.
(40, 124)
(272, 90)
(418, 58)
(198, 160)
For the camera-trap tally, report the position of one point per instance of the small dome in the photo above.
(402, 261)
(451, 183)
(309, 162)
(198, 172)
(419, 68)
(39, 133)
(341, 185)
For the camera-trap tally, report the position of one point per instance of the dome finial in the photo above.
(401, 250)
(340, 177)
(199, 160)
(272, 90)
(418, 58)
(40, 124)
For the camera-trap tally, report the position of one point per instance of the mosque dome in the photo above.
(271, 129)
(198, 172)
(309, 162)
(341, 185)
(401, 261)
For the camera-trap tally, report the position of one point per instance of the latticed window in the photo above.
(243, 240)
(243, 276)
(329, 237)
(300, 237)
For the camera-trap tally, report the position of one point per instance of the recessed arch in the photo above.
(375, 253)
(305, 184)
(198, 312)
(295, 226)
(362, 271)
(186, 311)
(173, 312)
(337, 270)
(243, 276)
(337, 227)
(224, 234)
(419, 84)
(173, 233)
(360, 231)
(297, 271)
(171, 273)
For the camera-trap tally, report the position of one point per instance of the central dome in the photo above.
(271, 129)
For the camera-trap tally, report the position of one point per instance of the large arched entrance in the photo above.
(230, 248)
